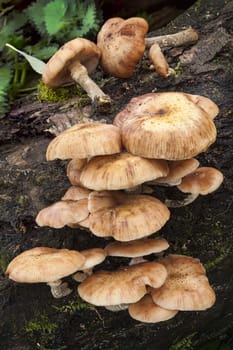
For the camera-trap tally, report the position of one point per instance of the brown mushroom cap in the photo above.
(75, 193)
(43, 264)
(93, 257)
(63, 213)
(84, 141)
(159, 61)
(145, 310)
(74, 169)
(126, 285)
(120, 171)
(165, 125)
(57, 70)
(132, 217)
(122, 43)
(203, 180)
(137, 248)
(186, 288)
(206, 104)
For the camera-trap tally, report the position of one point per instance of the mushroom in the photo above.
(203, 180)
(93, 257)
(145, 310)
(120, 171)
(159, 61)
(75, 193)
(122, 286)
(74, 61)
(74, 169)
(48, 265)
(166, 125)
(85, 140)
(137, 249)
(122, 44)
(130, 217)
(186, 287)
(65, 212)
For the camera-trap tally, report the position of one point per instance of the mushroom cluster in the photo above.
(112, 169)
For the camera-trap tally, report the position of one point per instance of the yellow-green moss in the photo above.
(58, 94)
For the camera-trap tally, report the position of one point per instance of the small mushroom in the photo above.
(186, 287)
(166, 125)
(203, 180)
(74, 61)
(120, 171)
(48, 265)
(122, 286)
(74, 169)
(122, 43)
(83, 141)
(159, 61)
(145, 310)
(75, 193)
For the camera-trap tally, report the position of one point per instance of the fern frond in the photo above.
(54, 13)
(5, 83)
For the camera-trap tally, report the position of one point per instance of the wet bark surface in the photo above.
(30, 317)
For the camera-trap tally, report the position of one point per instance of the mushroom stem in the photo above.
(59, 289)
(80, 75)
(80, 276)
(116, 308)
(185, 37)
(176, 203)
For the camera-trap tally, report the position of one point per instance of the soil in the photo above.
(30, 317)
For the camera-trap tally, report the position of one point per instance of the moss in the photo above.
(183, 344)
(74, 306)
(58, 94)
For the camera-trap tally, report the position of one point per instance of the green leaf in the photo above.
(36, 64)
(54, 16)
(35, 14)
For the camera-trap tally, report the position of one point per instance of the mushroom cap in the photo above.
(131, 217)
(93, 257)
(57, 69)
(74, 169)
(206, 104)
(104, 199)
(137, 248)
(63, 213)
(122, 286)
(75, 193)
(177, 170)
(186, 288)
(159, 61)
(203, 180)
(145, 310)
(122, 43)
(84, 141)
(43, 264)
(120, 171)
(166, 125)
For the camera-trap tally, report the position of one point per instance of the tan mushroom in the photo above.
(159, 61)
(74, 169)
(48, 265)
(122, 286)
(202, 181)
(74, 61)
(145, 310)
(131, 217)
(85, 140)
(75, 193)
(122, 43)
(186, 288)
(120, 171)
(93, 257)
(165, 125)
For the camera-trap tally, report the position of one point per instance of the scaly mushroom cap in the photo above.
(165, 125)
(57, 69)
(203, 180)
(42, 264)
(84, 141)
(120, 171)
(137, 248)
(63, 213)
(145, 310)
(132, 217)
(186, 288)
(122, 43)
(74, 169)
(123, 286)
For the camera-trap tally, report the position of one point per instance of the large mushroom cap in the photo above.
(145, 310)
(84, 141)
(120, 171)
(131, 217)
(126, 285)
(165, 126)
(122, 43)
(43, 264)
(186, 288)
(57, 69)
